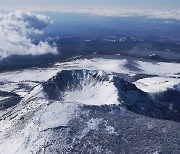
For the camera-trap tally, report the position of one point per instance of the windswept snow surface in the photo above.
(160, 68)
(91, 105)
(156, 84)
(107, 65)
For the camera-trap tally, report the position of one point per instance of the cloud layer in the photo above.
(15, 29)
(119, 11)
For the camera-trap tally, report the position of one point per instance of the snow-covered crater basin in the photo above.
(82, 86)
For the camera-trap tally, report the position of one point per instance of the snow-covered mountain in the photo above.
(91, 106)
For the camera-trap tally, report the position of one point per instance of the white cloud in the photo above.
(14, 31)
(119, 11)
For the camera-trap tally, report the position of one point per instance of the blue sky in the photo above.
(152, 3)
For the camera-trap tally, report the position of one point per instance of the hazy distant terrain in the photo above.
(82, 34)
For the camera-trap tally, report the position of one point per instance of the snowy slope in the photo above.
(86, 104)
